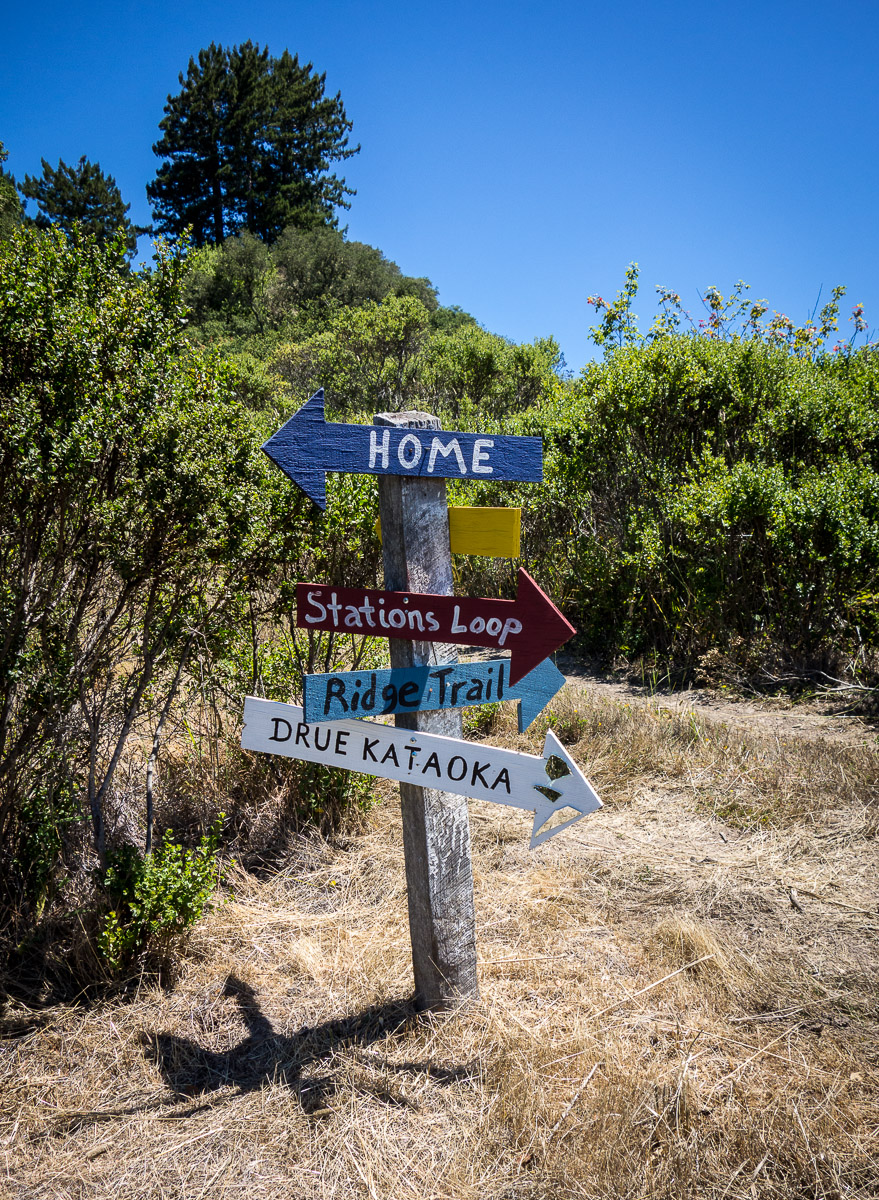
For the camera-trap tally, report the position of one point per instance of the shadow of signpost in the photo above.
(265, 1056)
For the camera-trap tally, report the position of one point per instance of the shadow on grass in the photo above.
(266, 1057)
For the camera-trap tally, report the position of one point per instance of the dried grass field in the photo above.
(678, 999)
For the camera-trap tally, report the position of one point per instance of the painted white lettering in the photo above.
(335, 608)
(432, 623)
(396, 618)
(480, 456)
(511, 625)
(316, 604)
(374, 448)
(456, 626)
(453, 448)
(410, 444)
(352, 617)
(368, 609)
(493, 626)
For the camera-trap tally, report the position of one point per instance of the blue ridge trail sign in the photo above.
(336, 695)
(464, 768)
(308, 446)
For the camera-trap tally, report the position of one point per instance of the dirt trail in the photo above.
(778, 717)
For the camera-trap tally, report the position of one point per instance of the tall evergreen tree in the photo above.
(248, 143)
(82, 196)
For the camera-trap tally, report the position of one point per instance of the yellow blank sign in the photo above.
(492, 532)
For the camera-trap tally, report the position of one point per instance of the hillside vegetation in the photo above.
(710, 509)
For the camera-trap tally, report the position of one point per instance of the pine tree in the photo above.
(248, 143)
(80, 197)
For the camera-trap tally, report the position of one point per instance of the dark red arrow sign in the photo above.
(530, 627)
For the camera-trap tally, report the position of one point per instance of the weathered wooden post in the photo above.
(436, 830)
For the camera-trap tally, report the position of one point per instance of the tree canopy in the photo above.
(82, 196)
(248, 143)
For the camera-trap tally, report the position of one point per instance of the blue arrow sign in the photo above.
(307, 447)
(334, 696)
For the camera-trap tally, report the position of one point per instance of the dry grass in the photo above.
(656, 1018)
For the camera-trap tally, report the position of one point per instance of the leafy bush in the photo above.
(707, 494)
(156, 897)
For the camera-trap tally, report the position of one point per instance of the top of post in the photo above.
(408, 420)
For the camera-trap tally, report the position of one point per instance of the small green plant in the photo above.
(156, 897)
(479, 722)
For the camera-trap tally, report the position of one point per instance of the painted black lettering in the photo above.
(278, 721)
(317, 733)
(368, 744)
(477, 773)
(410, 694)
(451, 774)
(504, 778)
(456, 687)
(340, 744)
(474, 694)
(391, 753)
(442, 676)
(302, 735)
(434, 763)
(335, 691)
(367, 700)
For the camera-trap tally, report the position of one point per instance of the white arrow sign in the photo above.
(425, 759)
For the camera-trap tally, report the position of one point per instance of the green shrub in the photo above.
(156, 898)
(703, 494)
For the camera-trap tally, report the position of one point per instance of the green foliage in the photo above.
(617, 326)
(249, 291)
(132, 501)
(388, 356)
(156, 897)
(81, 198)
(247, 143)
(702, 491)
(728, 318)
(10, 205)
(322, 271)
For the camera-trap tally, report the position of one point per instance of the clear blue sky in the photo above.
(520, 155)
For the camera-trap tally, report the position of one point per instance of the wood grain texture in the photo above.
(336, 695)
(489, 532)
(308, 446)
(436, 829)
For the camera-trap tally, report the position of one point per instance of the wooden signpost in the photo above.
(334, 696)
(308, 446)
(426, 687)
(530, 627)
